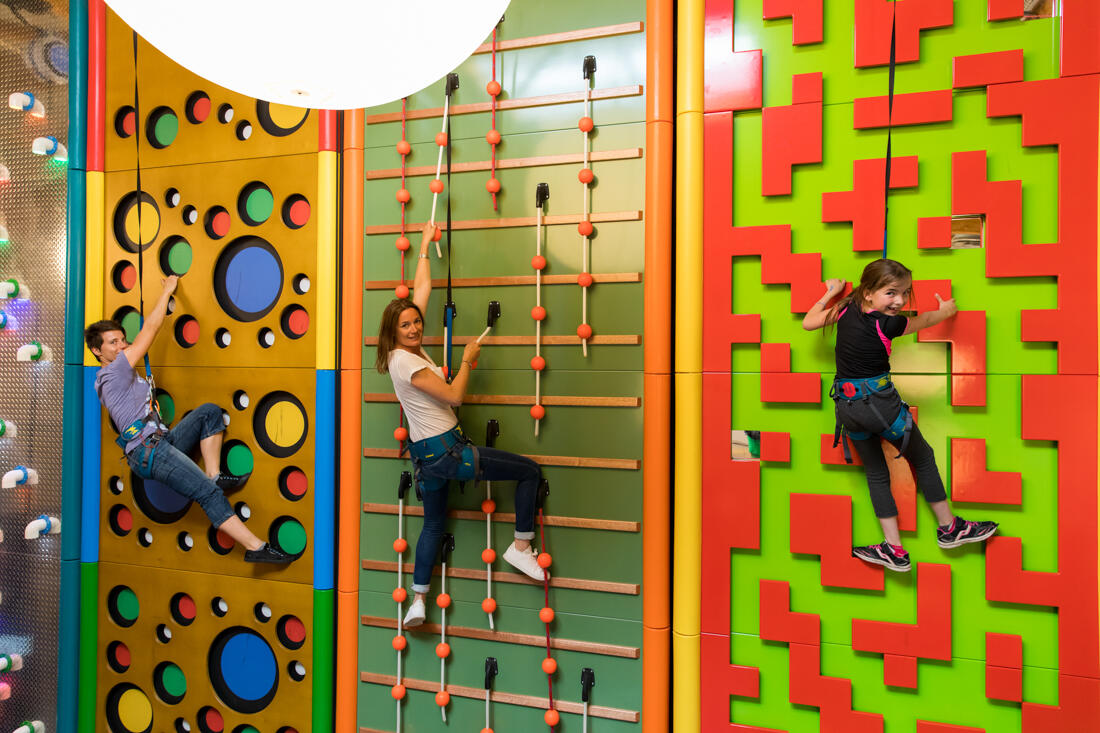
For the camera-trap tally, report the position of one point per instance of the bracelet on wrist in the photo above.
(423, 256)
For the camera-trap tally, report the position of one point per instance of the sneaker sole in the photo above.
(967, 540)
(883, 563)
(412, 624)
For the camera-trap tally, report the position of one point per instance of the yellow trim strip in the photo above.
(94, 255)
(326, 259)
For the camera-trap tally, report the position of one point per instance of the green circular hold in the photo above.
(167, 407)
(173, 680)
(131, 324)
(291, 537)
(259, 205)
(127, 603)
(247, 729)
(166, 128)
(239, 460)
(179, 257)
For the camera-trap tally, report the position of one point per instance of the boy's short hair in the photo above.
(93, 334)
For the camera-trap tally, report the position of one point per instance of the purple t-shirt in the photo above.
(126, 397)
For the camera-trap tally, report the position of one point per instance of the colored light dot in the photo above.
(238, 459)
(296, 483)
(180, 257)
(298, 212)
(219, 225)
(291, 537)
(190, 332)
(298, 321)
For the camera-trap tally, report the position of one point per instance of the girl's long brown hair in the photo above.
(387, 331)
(876, 275)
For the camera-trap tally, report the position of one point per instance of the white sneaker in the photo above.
(415, 615)
(525, 561)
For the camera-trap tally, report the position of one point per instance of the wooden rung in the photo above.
(558, 340)
(509, 698)
(506, 163)
(516, 221)
(502, 280)
(603, 586)
(523, 399)
(610, 525)
(634, 90)
(570, 461)
(508, 637)
(581, 34)
(374, 730)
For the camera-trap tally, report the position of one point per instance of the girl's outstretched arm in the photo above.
(422, 280)
(931, 318)
(818, 315)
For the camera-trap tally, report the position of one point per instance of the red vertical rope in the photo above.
(546, 596)
(403, 102)
(493, 121)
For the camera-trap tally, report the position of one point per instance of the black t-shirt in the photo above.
(863, 342)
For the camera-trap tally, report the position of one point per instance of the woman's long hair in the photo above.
(387, 331)
(876, 275)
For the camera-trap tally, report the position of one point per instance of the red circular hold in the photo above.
(493, 137)
(546, 614)
(489, 605)
(200, 109)
(549, 665)
(128, 123)
(584, 279)
(190, 332)
(538, 313)
(493, 88)
(214, 720)
(443, 650)
(124, 519)
(297, 322)
(400, 642)
(538, 363)
(400, 545)
(551, 717)
(488, 506)
(585, 175)
(585, 228)
(584, 331)
(403, 195)
(299, 212)
(297, 483)
(400, 594)
(401, 434)
(185, 606)
(219, 224)
(538, 412)
(544, 560)
(492, 185)
(294, 629)
(401, 291)
(398, 692)
(224, 540)
(122, 654)
(127, 277)
(488, 555)
(443, 600)
(436, 186)
(403, 243)
(441, 139)
(586, 124)
(538, 262)
(403, 147)
(442, 698)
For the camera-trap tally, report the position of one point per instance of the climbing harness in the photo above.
(453, 442)
(850, 390)
(889, 123)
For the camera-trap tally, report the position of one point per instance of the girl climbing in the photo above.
(868, 407)
(440, 451)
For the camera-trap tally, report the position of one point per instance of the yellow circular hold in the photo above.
(285, 424)
(150, 223)
(286, 116)
(134, 710)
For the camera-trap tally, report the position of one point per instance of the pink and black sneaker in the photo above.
(883, 554)
(961, 532)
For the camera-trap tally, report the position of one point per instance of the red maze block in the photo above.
(806, 18)
(1078, 708)
(873, 20)
(967, 335)
(970, 481)
(923, 726)
(779, 384)
(1004, 667)
(1058, 112)
(916, 108)
(790, 135)
(929, 638)
(719, 679)
(865, 204)
(983, 69)
(807, 88)
(934, 232)
(1080, 29)
(821, 524)
(731, 80)
(775, 447)
(1004, 10)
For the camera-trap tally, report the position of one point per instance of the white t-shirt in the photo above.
(427, 416)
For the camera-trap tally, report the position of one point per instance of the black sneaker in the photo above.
(270, 554)
(882, 554)
(229, 483)
(962, 532)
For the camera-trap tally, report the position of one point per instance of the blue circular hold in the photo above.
(164, 498)
(248, 278)
(248, 665)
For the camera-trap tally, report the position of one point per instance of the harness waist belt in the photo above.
(133, 430)
(437, 445)
(859, 388)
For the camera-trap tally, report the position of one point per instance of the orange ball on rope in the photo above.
(488, 555)
(442, 698)
(585, 228)
(538, 412)
(551, 717)
(544, 560)
(538, 363)
(493, 137)
(443, 650)
(546, 614)
(400, 642)
(402, 243)
(436, 186)
(437, 234)
(492, 185)
(403, 147)
(398, 692)
(401, 291)
(489, 605)
(586, 175)
(584, 331)
(488, 506)
(400, 594)
(538, 262)
(584, 279)
(538, 313)
(443, 600)
(493, 88)
(400, 545)
(403, 195)
(441, 139)
(586, 124)
(549, 665)
(401, 434)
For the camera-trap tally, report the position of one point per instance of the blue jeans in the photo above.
(173, 467)
(496, 465)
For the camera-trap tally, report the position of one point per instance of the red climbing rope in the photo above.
(548, 617)
(493, 120)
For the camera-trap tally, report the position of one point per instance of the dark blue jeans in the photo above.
(173, 467)
(496, 465)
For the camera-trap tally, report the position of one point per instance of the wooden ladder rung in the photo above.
(524, 399)
(515, 221)
(507, 280)
(581, 34)
(609, 525)
(627, 339)
(633, 90)
(625, 464)
(509, 698)
(506, 163)
(509, 637)
(605, 586)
